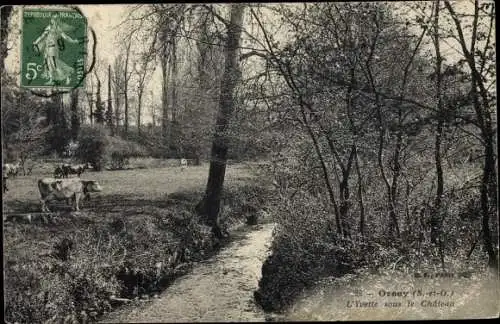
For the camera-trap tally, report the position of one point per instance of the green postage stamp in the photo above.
(53, 50)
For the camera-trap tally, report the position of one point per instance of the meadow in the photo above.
(128, 242)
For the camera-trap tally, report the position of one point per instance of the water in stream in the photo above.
(219, 289)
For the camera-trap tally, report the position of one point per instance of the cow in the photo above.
(11, 169)
(183, 164)
(64, 170)
(70, 149)
(58, 172)
(68, 189)
(4, 183)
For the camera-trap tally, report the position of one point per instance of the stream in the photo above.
(218, 289)
(221, 288)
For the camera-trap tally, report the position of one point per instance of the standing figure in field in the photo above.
(50, 43)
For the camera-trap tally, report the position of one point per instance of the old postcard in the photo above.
(194, 162)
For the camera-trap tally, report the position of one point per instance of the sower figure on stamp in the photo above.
(55, 68)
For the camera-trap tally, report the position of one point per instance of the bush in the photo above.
(305, 248)
(119, 151)
(92, 146)
(99, 148)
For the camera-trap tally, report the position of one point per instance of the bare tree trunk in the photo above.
(393, 217)
(436, 214)
(396, 169)
(360, 194)
(173, 92)
(153, 112)
(392, 209)
(326, 175)
(210, 205)
(125, 98)
(117, 93)
(109, 111)
(202, 59)
(139, 109)
(75, 115)
(99, 106)
(488, 192)
(125, 87)
(488, 185)
(173, 82)
(164, 93)
(6, 12)
(91, 112)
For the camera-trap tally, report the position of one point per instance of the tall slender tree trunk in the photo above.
(164, 92)
(393, 218)
(6, 12)
(210, 204)
(488, 193)
(125, 86)
(488, 196)
(173, 83)
(91, 112)
(153, 112)
(117, 94)
(125, 123)
(139, 109)
(75, 115)
(362, 219)
(99, 105)
(109, 112)
(326, 174)
(174, 131)
(436, 214)
(396, 166)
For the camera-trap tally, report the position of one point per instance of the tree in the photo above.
(164, 84)
(60, 133)
(170, 17)
(142, 73)
(126, 79)
(117, 91)
(109, 111)
(75, 115)
(6, 12)
(209, 206)
(89, 94)
(123, 74)
(99, 105)
(481, 62)
(435, 215)
(25, 127)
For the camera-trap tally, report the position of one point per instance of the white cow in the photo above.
(11, 169)
(65, 189)
(184, 164)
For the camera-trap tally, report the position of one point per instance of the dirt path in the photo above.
(219, 289)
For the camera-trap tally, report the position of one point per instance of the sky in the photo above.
(103, 19)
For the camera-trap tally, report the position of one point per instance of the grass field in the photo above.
(134, 185)
(130, 240)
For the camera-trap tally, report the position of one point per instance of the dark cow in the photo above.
(4, 182)
(64, 170)
(58, 172)
(65, 189)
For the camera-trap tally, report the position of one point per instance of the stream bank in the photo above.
(218, 289)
